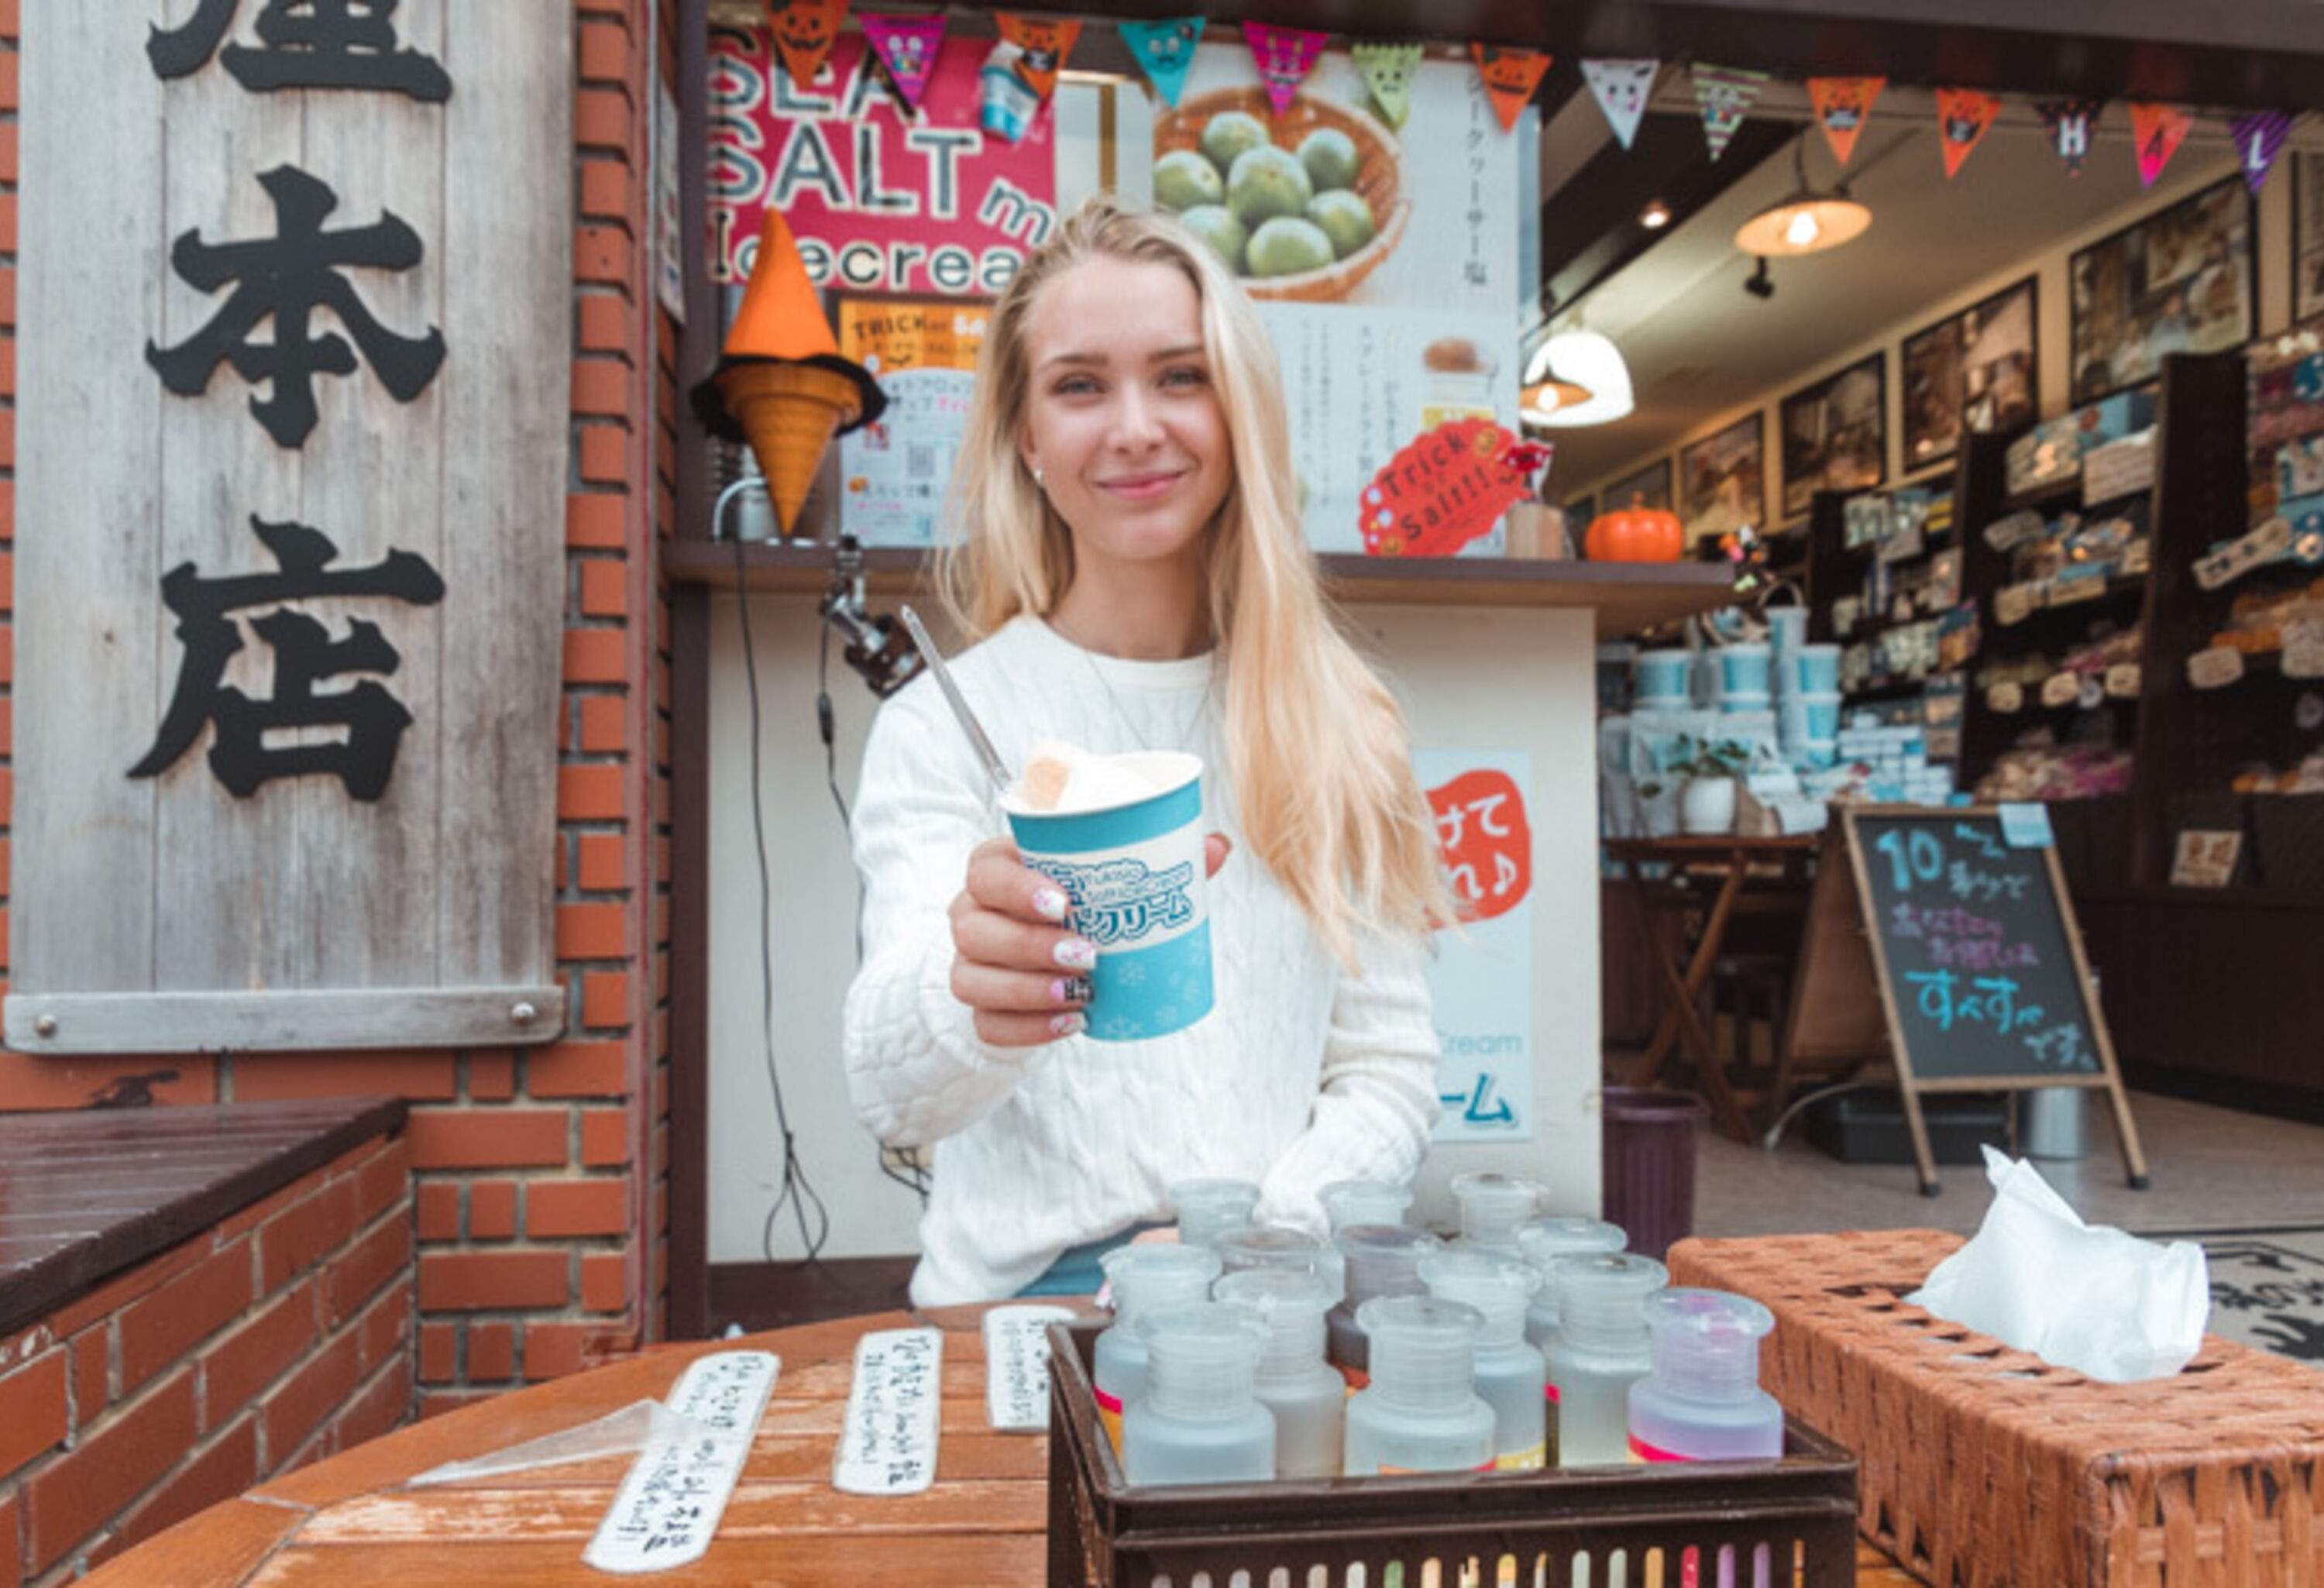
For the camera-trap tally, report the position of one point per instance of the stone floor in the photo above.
(2213, 1168)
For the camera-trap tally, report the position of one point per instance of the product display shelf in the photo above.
(1840, 570)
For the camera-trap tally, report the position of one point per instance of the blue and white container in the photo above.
(1787, 630)
(1134, 877)
(1743, 671)
(1658, 678)
(1805, 718)
(1736, 705)
(1813, 669)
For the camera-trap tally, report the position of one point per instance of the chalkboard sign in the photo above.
(1945, 939)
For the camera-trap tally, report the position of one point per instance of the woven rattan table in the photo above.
(350, 1522)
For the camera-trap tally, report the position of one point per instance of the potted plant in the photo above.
(1707, 803)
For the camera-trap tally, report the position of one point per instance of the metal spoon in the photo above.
(998, 773)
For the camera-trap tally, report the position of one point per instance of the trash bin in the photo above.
(1647, 1164)
(2054, 1122)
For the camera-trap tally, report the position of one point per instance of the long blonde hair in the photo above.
(1316, 748)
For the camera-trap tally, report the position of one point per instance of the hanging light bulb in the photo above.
(1577, 377)
(1801, 230)
(1806, 222)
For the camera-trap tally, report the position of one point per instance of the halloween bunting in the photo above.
(1964, 116)
(1511, 74)
(1165, 50)
(2069, 121)
(1387, 72)
(1842, 105)
(1285, 56)
(2157, 131)
(907, 46)
(1621, 87)
(803, 30)
(1724, 95)
(1046, 43)
(2259, 139)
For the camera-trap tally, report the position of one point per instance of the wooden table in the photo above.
(351, 1522)
(1731, 858)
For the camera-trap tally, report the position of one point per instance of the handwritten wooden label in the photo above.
(1017, 1367)
(2214, 668)
(887, 1444)
(2205, 860)
(669, 1506)
(2059, 688)
(2122, 681)
(2271, 540)
(2304, 660)
(2008, 699)
(1446, 488)
(2013, 604)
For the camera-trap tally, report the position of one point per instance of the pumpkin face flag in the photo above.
(1510, 75)
(803, 30)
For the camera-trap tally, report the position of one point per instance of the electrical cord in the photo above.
(796, 1191)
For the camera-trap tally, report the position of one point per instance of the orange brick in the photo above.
(258, 1076)
(597, 519)
(578, 1069)
(8, 564)
(604, 51)
(593, 931)
(491, 1352)
(160, 1328)
(476, 1281)
(492, 1210)
(605, 194)
(551, 1350)
(92, 1350)
(367, 1267)
(31, 1410)
(601, 387)
(601, 253)
(37, 1081)
(437, 1402)
(604, 1138)
(12, 1542)
(377, 1408)
(605, 323)
(225, 1470)
(8, 152)
(298, 1236)
(242, 1363)
(604, 1281)
(8, 296)
(70, 1497)
(604, 718)
(436, 1205)
(382, 1182)
(595, 656)
(604, 452)
(556, 1209)
(297, 1407)
(602, 119)
(605, 999)
(496, 1138)
(604, 862)
(492, 1076)
(119, 1293)
(438, 1348)
(590, 793)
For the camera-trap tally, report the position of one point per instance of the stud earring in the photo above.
(1039, 477)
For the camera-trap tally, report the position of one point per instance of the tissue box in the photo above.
(1987, 1467)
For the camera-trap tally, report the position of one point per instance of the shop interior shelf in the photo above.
(2050, 496)
(1626, 596)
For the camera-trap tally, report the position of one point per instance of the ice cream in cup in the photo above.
(1122, 836)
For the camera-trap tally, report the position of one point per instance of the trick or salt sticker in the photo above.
(1446, 488)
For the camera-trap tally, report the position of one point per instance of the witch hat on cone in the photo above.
(781, 384)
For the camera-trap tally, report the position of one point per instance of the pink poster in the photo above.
(880, 201)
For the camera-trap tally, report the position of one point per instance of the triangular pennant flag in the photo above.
(1621, 87)
(1511, 74)
(2156, 131)
(2069, 121)
(1165, 50)
(1387, 72)
(2259, 139)
(907, 46)
(1285, 57)
(1963, 117)
(1842, 105)
(1724, 95)
(1046, 42)
(803, 30)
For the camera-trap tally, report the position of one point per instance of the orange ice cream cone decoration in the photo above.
(781, 385)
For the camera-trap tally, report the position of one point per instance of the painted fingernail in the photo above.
(1066, 1025)
(1075, 955)
(1071, 990)
(1049, 903)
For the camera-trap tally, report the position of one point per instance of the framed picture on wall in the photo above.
(1722, 479)
(2177, 282)
(1971, 374)
(1649, 487)
(2307, 235)
(1835, 434)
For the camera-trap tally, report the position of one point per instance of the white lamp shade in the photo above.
(1589, 360)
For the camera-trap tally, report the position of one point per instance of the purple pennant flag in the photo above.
(2259, 139)
(907, 46)
(2069, 121)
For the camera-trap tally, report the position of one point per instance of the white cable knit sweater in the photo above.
(1301, 1074)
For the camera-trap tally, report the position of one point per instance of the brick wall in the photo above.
(541, 1194)
(278, 1337)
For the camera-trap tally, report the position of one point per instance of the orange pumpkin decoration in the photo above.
(1635, 533)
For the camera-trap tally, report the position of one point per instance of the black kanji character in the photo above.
(308, 44)
(288, 277)
(304, 654)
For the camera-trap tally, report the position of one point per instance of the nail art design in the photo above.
(1067, 1025)
(1050, 903)
(1075, 954)
(1071, 990)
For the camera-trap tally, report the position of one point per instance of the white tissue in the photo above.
(2105, 1304)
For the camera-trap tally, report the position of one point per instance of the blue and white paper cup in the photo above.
(1134, 876)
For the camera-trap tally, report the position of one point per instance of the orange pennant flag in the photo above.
(1842, 105)
(1046, 43)
(2156, 131)
(1964, 116)
(1511, 74)
(803, 30)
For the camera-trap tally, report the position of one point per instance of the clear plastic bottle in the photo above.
(1703, 1401)
(1541, 1242)
(1382, 1260)
(1364, 1202)
(1281, 1246)
(1207, 1209)
(1145, 1279)
(1196, 1420)
(1601, 1349)
(1492, 1206)
(1421, 1412)
(1294, 1381)
(1510, 1375)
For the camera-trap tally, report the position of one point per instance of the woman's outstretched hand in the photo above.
(1016, 963)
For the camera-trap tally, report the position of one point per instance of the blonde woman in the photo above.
(1130, 564)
